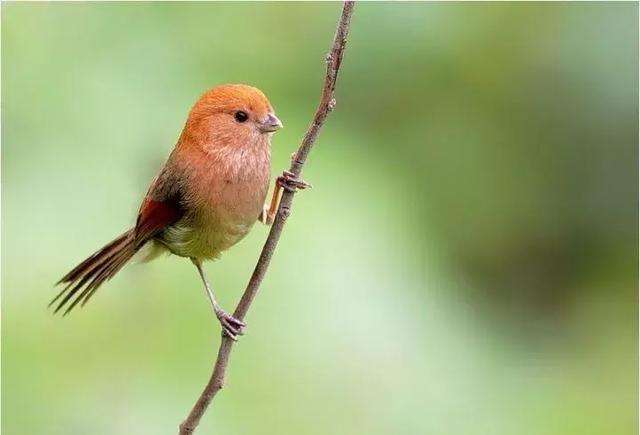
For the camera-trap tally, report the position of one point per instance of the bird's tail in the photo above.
(83, 281)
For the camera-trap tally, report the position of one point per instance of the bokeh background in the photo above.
(465, 264)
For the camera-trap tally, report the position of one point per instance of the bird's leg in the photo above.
(287, 181)
(269, 212)
(231, 326)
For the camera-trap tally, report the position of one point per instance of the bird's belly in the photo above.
(210, 230)
(204, 242)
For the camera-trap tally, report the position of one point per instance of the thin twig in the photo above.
(327, 103)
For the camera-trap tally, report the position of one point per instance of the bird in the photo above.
(205, 199)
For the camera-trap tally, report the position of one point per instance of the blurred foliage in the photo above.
(466, 263)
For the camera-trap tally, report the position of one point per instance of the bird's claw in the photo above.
(231, 327)
(289, 182)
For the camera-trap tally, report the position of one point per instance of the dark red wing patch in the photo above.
(155, 216)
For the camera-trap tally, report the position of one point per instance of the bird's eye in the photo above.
(241, 116)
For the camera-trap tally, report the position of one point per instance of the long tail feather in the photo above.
(83, 280)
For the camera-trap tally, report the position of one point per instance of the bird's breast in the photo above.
(224, 206)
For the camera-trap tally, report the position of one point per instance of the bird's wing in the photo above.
(161, 207)
(154, 217)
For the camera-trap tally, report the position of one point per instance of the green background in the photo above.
(466, 262)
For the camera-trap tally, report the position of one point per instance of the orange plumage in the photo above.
(205, 199)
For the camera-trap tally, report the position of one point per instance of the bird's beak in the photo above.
(270, 124)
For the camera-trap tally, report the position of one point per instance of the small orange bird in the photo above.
(205, 199)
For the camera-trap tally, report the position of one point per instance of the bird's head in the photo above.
(237, 115)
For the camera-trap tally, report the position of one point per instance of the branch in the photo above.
(327, 103)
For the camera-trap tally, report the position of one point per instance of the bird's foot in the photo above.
(231, 327)
(289, 182)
